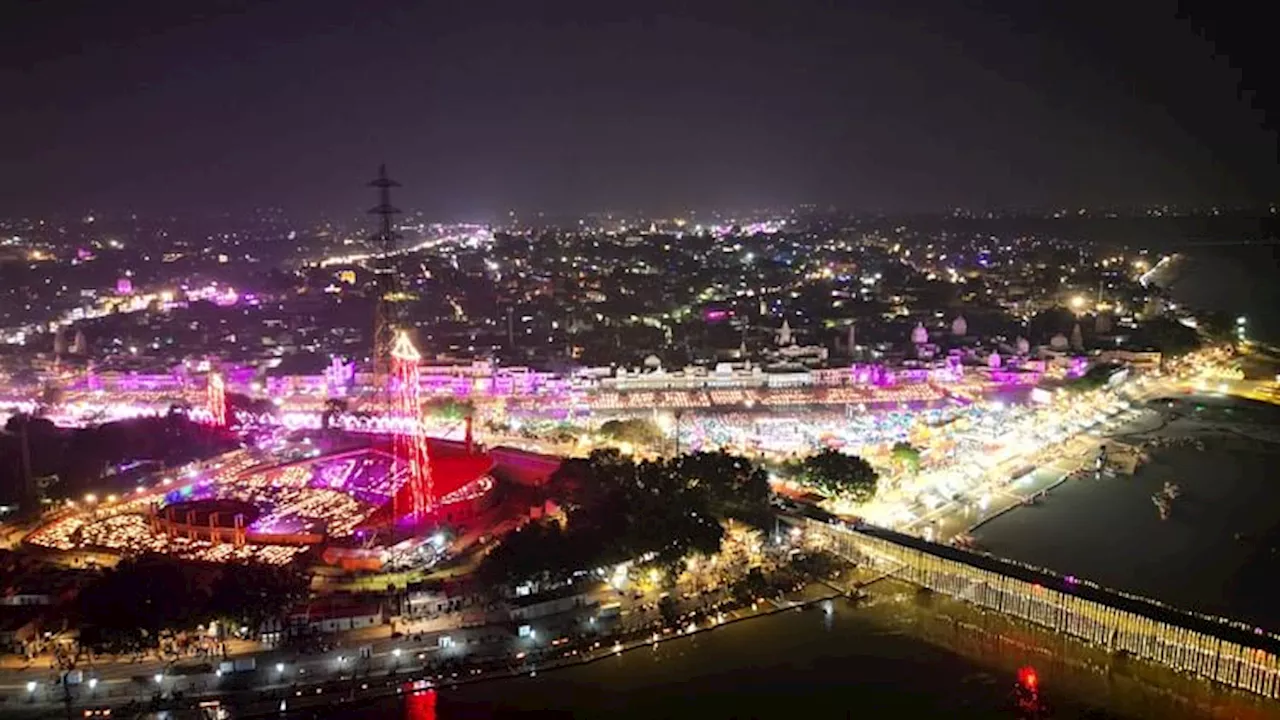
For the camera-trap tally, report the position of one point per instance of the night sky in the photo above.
(479, 107)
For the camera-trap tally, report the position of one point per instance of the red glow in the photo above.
(421, 705)
(411, 447)
(1027, 676)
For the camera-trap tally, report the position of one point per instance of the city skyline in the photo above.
(573, 108)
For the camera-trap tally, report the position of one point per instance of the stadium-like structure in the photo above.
(242, 506)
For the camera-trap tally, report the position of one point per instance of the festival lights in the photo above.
(216, 402)
(411, 447)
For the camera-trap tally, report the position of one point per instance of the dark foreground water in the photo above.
(795, 664)
(907, 655)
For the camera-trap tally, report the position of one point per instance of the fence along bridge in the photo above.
(1223, 651)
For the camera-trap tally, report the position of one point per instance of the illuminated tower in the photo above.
(410, 440)
(216, 399)
(386, 321)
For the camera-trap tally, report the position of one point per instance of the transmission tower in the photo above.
(387, 319)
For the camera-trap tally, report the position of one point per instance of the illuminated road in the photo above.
(1051, 466)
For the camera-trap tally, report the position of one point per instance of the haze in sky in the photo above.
(478, 107)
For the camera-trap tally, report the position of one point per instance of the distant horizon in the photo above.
(1154, 211)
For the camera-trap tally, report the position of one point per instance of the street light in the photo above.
(93, 683)
(280, 667)
(395, 652)
(31, 686)
(159, 678)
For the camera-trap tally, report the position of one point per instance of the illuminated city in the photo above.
(663, 350)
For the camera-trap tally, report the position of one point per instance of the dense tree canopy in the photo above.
(736, 487)
(619, 510)
(1170, 337)
(834, 473)
(83, 458)
(131, 605)
(636, 431)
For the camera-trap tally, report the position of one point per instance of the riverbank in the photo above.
(1217, 551)
(365, 679)
(902, 653)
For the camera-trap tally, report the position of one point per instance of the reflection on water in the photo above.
(844, 662)
(420, 705)
(1217, 552)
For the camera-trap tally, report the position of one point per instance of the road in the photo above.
(363, 654)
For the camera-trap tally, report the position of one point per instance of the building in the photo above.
(554, 602)
(335, 614)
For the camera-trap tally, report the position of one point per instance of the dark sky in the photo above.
(481, 106)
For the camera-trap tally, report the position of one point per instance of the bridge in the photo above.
(1224, 651)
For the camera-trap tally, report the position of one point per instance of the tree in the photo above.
(906, 456)
(834, 473)
(332, 406)
(1050, 322)
(736, 487)
(669, 611)
(636, 431)
(251, 595)
(35, 425)
(448, 408)
(618, 509)
(129, 606)
(751, 587)
(817, 565)
(1170, 337)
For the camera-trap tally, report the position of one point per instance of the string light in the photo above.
(411, 443)
(1223, 651)
(216, 402)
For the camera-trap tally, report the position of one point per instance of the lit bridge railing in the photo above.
(1224, 651)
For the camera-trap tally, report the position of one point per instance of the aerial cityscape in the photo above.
(298, 423)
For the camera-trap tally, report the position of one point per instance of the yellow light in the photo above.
(91, 498)
(403, 348)
(1077, 302)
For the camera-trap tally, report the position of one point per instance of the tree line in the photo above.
(618, 509)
